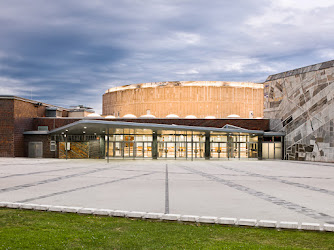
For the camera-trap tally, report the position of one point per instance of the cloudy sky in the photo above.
(69, 52)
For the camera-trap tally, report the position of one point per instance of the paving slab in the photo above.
(282, 191)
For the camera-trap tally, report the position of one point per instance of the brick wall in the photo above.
(52, 123)
(6, 128)
(45, 139)
(24, 112)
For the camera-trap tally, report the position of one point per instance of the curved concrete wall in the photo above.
(199, 98)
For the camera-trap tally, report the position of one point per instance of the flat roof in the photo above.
(187, 84)
(98, 126)
(13, 97)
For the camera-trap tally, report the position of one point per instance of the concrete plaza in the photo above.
(267, 190)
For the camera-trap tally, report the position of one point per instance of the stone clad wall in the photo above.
(201, 99)
(301, 103)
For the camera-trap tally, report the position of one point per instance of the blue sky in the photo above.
(69, 52)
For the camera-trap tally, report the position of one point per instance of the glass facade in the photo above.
(171, 144)
(129, 143)
(229, 145)
(180, 144)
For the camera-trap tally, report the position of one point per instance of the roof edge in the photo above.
(305, 69)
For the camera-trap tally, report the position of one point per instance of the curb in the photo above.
(175, 217)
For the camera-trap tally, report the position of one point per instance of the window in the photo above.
(53, 146)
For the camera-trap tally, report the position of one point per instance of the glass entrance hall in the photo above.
(139, 143)
(111, 139)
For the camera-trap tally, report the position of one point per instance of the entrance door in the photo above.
(35, 149)
(139, 149)
(233, 149)
(170, 147)
(272, 150)
(196, 150)
(128, 149)
(218, 150)
(143, 149)
(118, 149)
(147, 148)
(252, 147)
(181, 150)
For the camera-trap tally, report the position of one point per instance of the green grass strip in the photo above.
(25, 229)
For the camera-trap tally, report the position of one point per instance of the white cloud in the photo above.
(187, 38)
(187, 72)
(326, 54)
(304, 4)
(10, 86)
(82, 48)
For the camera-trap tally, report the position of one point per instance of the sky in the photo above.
(69, 52)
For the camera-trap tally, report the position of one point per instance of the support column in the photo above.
(155, 145)
(283, 148)
(66, 145)
(107, 130)
(229, 146)
(102, 147)
(192, 145)
(260, 140)
(207, 145)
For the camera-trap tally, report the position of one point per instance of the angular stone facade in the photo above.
(301, 103)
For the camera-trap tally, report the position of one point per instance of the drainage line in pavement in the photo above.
(166, 192)
(83, 188)
(267, 197)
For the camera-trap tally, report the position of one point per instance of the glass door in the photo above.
(162, 151)
(170, 148)
(252, 147)
(181, 150)
(118, 149)
(233, 150)
(147, 149)
(128, 149)
(139, 149)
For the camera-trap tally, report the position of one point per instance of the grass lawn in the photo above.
(48, 230)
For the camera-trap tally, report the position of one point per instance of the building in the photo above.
(298, 121)
(18, 115)
(300, 103)
(34, 129)
(185, 99)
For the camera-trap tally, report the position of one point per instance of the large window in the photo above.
(181, 144)
(233, 145)
(129, 143)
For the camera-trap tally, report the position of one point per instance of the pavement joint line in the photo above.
(33, 173)
(59, 178)
(261, 195)
(275, 178)
(166, 191)
(304, 226)
(82, 188)
(311, 163)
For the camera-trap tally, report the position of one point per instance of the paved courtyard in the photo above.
(273, 190)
